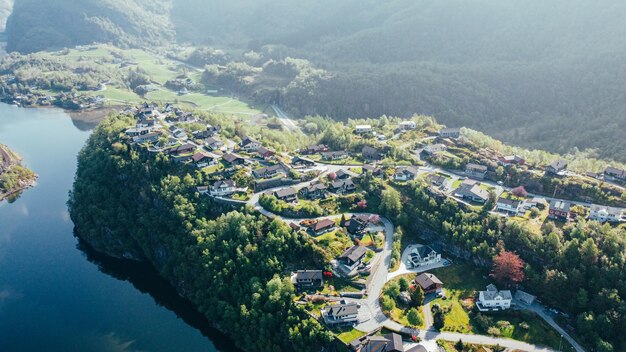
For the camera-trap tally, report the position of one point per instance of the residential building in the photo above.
(357, 225)
(342, 186)
(429, 283)
(182, 149)
(314, 191)
(407, 125)
(557, 168)
(371, 153)
(605, 214)
(286, 195)
(374, 343)
(474, 193)
(213, 143)
(203, 189)
(509, 206)
(476, 171)
(177, 132)
(450, 133)
(375, 171)
(306, 279)
(264, 152)
(337, 155)
(439, 181)
(149, 137)
(201, 160)
(314, 149)
(343, 313)
(138, 131)
(233, 159)
(322, 226)
(538, 202)
(511, 160)
(343, 174)
(301, 162)
(352, 257)
(612, 173)
(362, 129)
(270, 171)
(493, 299)
(250, 145)
(223, 188)
(559, 209)
(423, 255)
(434, 149)
(405, 173)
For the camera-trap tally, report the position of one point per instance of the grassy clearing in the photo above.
(335, 242)
(528, 327)
(347, 335)
(461, 281)
(160, 70)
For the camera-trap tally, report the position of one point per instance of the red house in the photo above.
(428, 282)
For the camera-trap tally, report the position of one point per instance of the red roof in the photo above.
(323, 224)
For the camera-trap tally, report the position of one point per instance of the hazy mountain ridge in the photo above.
(540, 74)
(36, 25)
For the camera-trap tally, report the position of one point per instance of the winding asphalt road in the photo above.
(379, 276)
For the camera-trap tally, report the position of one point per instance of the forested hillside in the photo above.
(230, 266)
(41, 24)
(539, 74)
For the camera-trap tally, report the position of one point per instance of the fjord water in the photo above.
(56, 295)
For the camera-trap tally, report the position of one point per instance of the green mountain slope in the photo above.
(39, 24)
(535, 73)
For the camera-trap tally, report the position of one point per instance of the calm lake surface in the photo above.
(55, 295)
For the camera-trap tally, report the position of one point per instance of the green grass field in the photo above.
(160, 70)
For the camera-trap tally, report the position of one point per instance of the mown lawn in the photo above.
(334, 242)
(528, 327)
(461, 281)
(347, 335)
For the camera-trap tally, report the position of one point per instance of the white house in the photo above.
(605, 214)
(361, 129)
(422, 255)
(407, 125)
(506, 205)
(250, 145)
(405, 173)
(450, 133)
(493, 299)
(434, 149)
(223, 188)
(345, 313)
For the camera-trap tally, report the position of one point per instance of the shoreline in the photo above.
(30, 184)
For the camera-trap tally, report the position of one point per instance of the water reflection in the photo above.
(145, 279)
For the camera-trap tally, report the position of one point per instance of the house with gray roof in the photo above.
(421, 256)
(493, 299)
(307, 279)
(341, 314)
(286, 195)
(474, 193)
(352, 257)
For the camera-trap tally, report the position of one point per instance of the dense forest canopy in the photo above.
(540, 74)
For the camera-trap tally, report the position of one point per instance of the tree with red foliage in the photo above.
(332, 176)
(507, 269)
(519, 192)
(362, 204)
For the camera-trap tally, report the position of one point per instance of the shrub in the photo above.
(493, 331)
